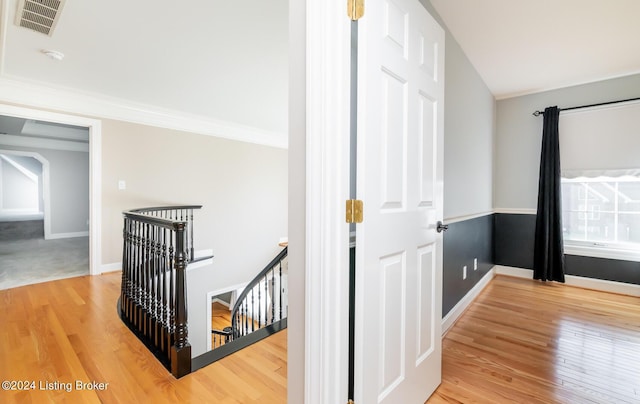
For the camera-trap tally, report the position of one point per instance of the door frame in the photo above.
(95, 168)
(328, 55)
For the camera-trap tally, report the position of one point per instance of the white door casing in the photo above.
(400, 180)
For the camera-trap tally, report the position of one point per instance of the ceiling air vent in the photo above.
(39, 15)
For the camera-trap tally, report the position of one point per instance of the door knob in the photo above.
(441, 227)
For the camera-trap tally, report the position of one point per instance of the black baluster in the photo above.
(273, 296)
(171, 296)
(280, 288)
(181, 352)
(253, 311)
(259, 306)
(191, 223)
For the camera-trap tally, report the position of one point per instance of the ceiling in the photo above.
(227, 60)
(521, 47)
(31, 128)
(207, 59)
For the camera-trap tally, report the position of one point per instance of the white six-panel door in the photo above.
(399, 178)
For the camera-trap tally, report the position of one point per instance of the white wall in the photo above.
(69, 188)
(18, 192)
(297, 202)
(242, 187)
(201, 279)
(519, 135)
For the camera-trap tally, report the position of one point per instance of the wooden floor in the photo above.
(55, 334)
(520, 342)
(220, 319)
(524, 341)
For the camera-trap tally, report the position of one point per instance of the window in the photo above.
(601, 181)
(602, 212)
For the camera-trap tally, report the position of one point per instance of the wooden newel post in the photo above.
(181, 350)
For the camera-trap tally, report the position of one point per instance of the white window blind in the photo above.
(601, 141)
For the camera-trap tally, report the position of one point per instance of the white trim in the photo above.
(220, 301)
(203, 253)
(95, 168)
(56, 236)
(199, 264)
(463, 218)
(327, 235)
(41, 143)
(114, 266)
(19, 91)
(579, 281)
(576, 84)
(454, 314)
(3, 34)
(516, 211)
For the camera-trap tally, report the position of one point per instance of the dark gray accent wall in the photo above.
(514, 243)
(514, 235)
(603, 268)
(463, 242)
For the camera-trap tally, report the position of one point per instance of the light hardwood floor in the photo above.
(520, 342)
(68, 330)
(524, 341)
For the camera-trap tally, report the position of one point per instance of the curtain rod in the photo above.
(538, 113)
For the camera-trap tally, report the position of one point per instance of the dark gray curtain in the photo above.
(548, 258)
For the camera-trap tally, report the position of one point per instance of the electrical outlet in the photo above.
(122, 185)
(464, 272)
(475, 264)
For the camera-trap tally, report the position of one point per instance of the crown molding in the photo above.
(38, 95)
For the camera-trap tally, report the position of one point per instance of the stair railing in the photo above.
(158, 245)
(261, 305)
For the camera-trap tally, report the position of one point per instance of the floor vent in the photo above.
(39, 15)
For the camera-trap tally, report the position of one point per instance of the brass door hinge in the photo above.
(355, 9)
(354, 211)
(351, 402)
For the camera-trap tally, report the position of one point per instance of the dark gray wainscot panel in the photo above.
(463, 242)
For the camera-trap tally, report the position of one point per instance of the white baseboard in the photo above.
(54, 236)
(203, 253)
(222, 302)
(579, 281)
(450, 319)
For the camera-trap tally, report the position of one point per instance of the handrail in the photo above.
(241, 304)
(169, 224)
(183, 215)
(156, 208)
(259, 311)
(257, 279)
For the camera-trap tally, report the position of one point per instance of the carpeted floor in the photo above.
(27, 260)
